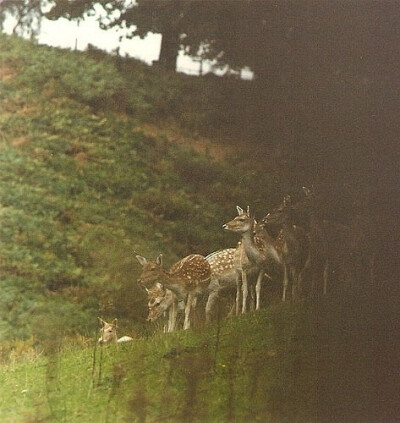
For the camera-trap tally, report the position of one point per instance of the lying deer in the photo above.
(187, 278)
(108, 333)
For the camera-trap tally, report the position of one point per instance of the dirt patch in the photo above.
(6, 73)
(20, 141)
(199, 143)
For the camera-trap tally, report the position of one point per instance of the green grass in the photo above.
(288, 363)
(240, 370)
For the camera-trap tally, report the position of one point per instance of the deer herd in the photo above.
(290, 246)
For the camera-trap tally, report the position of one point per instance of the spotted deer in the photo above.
(187, 278)
(259, 248)
(223, 279)
(223, 276)
(161, 301)
(229, 267)
(293, 243)
(108, 333)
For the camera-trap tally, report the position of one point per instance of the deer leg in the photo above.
(258, 288)
(285, 282)
(245, 290)
(326, 277)
(252, 296)
(210, 305)
(173, 312)
(294, 277)
(189, 301)
(165, 327)
(238, 290)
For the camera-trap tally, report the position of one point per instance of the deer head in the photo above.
(242, 223)
(152, 271)
(281, 214)
(160, 299)
(108, 331)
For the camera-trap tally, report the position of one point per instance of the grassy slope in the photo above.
(207, 375)
(83, 188)
(289, 363)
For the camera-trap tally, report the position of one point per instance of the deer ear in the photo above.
(239, 210)
(115, 322)
(248, 210)
(102, 321)
(159, 260)
(141, 260)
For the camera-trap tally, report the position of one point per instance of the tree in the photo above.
(183, 24)
(27, 15)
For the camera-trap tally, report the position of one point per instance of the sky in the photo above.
(66, 34)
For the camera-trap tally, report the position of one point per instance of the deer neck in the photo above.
(175, 284)
(252, 252)
(257, 256)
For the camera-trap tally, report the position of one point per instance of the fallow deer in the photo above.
(335, 248)
(293, 244)
(108, 333)
(260, 248)
(187, 278)
(223, 276)
(229, 267)
(223, 264)
(161, 301)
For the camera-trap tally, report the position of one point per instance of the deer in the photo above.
(229, 267)
(161, 301)
(108, 333)
(293, 244)
(223, 278)
(334, 247)
(187, 278)
(259, 247)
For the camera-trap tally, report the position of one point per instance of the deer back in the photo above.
(191, 272)
(221, 261)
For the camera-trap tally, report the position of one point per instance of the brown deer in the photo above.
(259, 247)
(108, 333)
(187, 278)
(161, 301)
(223, 276)
(223, 279)
(336, 249)
(229, 267)
(293, 244)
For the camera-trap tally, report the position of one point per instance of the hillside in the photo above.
(85, 186)
(102, 158)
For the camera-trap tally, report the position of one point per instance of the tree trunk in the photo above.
(169, 50)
